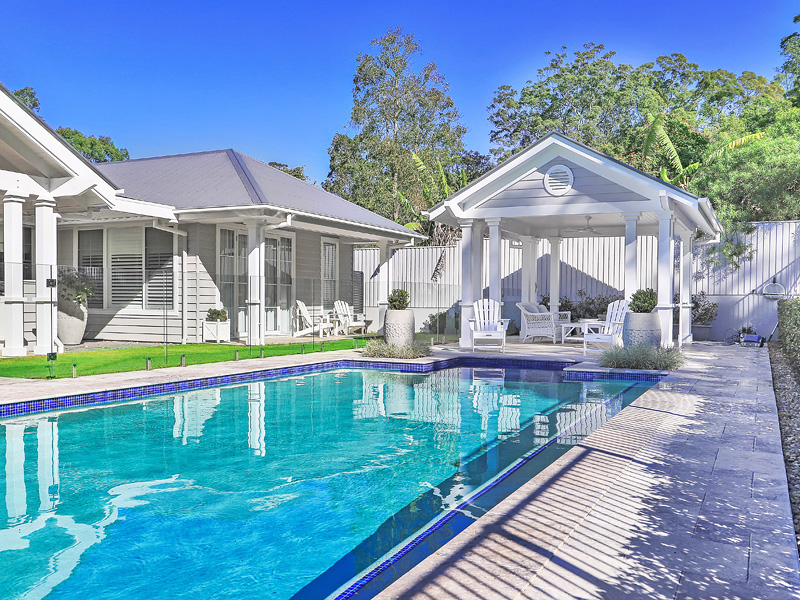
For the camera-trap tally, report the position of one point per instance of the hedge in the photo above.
(789, 329)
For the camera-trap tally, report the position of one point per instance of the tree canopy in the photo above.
(298, 172)
(398, 111)
(94, 149)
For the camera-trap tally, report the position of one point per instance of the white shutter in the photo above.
(328, 275)
(127, 272)
(159, 271)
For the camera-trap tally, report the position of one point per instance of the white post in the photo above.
(631, 270)
(477, 260)
(530, 273)
(685, 334)
(255, 285)
(383, 282)
(555, 273)
(495, 259)
(46, 299)
(14, 295)
(467, 284)
(665, 276)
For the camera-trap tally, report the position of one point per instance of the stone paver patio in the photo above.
(682, 495)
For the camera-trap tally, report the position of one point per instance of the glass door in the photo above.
(233, 279)
(278, 284)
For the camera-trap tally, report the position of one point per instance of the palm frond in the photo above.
(669, 149)
(742, 141)
(650, 138)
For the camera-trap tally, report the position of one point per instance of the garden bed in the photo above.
(786, 381)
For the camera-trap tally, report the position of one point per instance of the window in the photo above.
(158, 265)
(90, 262)
(27, 253)
(329, 274)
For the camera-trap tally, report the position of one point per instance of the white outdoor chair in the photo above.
(610, 331)
(537, 321)
(306, 324)
(346, 320)
(487, 324)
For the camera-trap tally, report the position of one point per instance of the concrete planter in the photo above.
(398, 327)
(71, 323)
(641, 329)
(701, 333)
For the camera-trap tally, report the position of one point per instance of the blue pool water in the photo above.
(274, 489)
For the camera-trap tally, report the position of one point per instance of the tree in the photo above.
(298, 172)
(94, 149)
(397, 111)
(790, 70)
(589, 98)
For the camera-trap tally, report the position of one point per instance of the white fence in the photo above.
(596, 266)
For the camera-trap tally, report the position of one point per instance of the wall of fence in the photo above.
(432, 275)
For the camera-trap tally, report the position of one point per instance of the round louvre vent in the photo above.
(558, 180)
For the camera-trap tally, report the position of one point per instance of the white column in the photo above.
(530, 272)
(477, 260)
(665, 277)
(467, 284)
(255, 285)
(16, 505)
(46, 298)
(495, 259)
(631, 270)
(383, 282)
(687, 265)
(555, 273)
(14, 297)
(47, 463)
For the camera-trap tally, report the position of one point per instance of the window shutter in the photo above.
(328, 275)
(158, 264)
(125, 258)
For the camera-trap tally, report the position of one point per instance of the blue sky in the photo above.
(274, 80)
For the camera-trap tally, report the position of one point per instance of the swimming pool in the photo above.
(291, 487)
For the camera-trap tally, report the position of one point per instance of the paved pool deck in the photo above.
(681, 495)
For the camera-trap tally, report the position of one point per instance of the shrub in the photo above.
(74, 286)
(643, 357)
(398, 300)
(217, 314)
(704, 311)
(587, 307)
(789, 329)
(643, 301)
(380, 349)
(436, 323)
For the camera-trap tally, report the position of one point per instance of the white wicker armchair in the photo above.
(537, 321)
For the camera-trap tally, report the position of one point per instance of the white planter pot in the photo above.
(71, 322)
(216, 331)
(641, 329)
(398, 327)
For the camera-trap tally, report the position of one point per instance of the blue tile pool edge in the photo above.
(399, 552)
(138, 393)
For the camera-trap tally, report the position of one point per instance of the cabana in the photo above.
(558, 188)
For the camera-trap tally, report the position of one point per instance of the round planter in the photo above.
(641, 329)
(701, 333)
(398, 327)
(72, 324)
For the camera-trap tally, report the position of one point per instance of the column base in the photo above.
(10, 352)
(42, 350)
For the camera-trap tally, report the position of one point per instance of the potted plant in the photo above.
(642, 326)
(703, 314)
(74, 289)
(398, 326)
(216, 327)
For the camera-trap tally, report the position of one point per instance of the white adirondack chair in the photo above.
(487, 324)
(346, 320)
(306, 324)
(610, 331)
(537, 321)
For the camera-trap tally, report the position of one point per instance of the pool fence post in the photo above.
(148, 367)
(74, 371)
(235, 355)
(262, 353)
(183, 360)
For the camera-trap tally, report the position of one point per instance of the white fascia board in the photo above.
(144, 209)
(553, 210)
(185, 214)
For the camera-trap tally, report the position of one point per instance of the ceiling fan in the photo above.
(587, 229)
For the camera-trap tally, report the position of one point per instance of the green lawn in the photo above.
(95, 362)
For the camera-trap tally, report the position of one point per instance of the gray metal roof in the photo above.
(226, 178)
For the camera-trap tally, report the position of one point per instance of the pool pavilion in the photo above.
(558, 188)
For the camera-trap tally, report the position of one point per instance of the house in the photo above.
(558, 188)
(166, 239)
